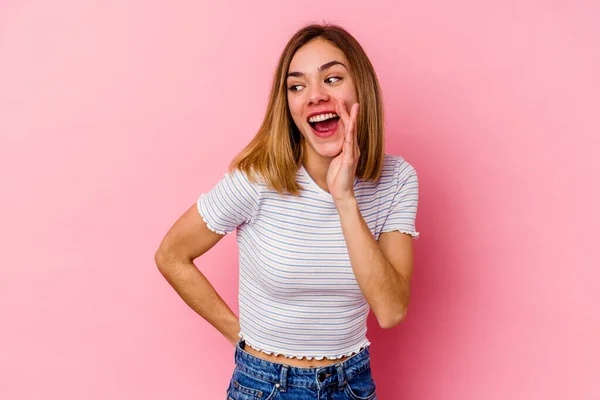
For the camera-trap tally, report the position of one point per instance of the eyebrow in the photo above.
(321, 68)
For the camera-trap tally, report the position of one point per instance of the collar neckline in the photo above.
(322, 192)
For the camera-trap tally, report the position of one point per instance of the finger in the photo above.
(355, 109)
(349, 134)
(351, 131)
(353, 134)
(353, 118)
(348, 152)
(349, 143)
(354, 113)
(342, 112)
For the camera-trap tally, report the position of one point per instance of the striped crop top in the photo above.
(298, 295)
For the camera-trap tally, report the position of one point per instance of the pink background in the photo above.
(116, 115)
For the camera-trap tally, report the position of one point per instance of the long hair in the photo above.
(277, 150)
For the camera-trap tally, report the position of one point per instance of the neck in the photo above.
(317, 168)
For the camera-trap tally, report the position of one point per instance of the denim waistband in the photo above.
(315, 377)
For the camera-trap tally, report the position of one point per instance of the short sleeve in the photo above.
(233, 201)
(403, 210)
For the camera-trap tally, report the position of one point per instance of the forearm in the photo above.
(197, 292)
(386, 290)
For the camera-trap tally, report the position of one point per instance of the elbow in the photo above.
(162, 258)
(392, 320)
(166, 259)
(159, 259)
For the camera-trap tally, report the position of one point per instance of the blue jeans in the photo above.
(258, 379)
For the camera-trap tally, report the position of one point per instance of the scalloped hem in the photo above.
(319, 358)
(208, 225)
(415, 235)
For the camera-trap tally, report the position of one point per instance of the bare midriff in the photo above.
(294, 362)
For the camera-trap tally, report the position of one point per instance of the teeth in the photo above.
(322, 117)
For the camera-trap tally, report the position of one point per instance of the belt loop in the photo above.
(283, 378)
(340, 375)
(237, 351)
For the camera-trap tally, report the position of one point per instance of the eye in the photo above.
(294, 88)
(337, 78)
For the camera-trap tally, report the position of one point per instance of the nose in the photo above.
(316, 94)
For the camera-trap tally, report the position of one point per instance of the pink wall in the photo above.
(115, 116)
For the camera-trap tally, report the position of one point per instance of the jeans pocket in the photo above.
(361, 386)
(248, 387)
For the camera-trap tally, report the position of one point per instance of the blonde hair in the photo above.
(277, 150)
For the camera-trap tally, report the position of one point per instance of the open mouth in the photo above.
(324, 125)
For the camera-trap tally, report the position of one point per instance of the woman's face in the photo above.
(318, 78)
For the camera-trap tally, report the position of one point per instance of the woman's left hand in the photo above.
(342, 170)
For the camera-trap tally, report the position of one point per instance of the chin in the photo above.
(324, 147)
(329, 150)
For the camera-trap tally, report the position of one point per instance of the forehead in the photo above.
(315, 53)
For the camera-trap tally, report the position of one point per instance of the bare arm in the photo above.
(383, 270)
(188, 239)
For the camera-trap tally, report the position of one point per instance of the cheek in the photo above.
(293, 102)
(295, 111)
(350, 94)
(351, 98)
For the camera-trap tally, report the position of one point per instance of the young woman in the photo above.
(325, 222)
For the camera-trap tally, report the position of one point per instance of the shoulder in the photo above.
(397, 168)
(246, 179)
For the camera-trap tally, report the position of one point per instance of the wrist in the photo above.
(346, 204)
(232, 330)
